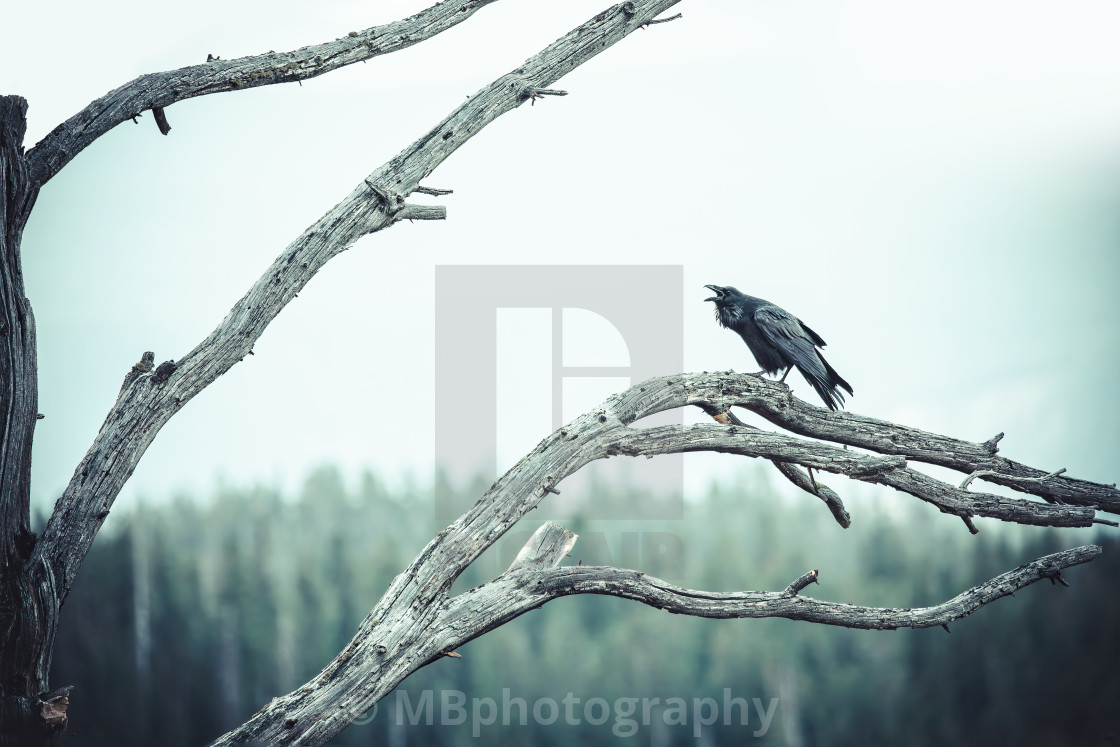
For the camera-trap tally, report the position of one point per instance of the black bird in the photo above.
(779, 340)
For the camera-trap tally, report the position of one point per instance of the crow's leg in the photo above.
(788, 369)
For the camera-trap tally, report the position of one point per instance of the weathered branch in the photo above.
(774, 402)
(811, 485)
(812, 577)
(653, 21)
(512, 594)
(416, 620)
(890, 470)
(989, 473)
(156, 91)
(528, 586)
(432, 191)
(791, 472)
(145, 405)
(161, 120)
(422, 212)
(28, 607)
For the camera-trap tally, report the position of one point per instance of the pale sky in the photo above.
(932, 188)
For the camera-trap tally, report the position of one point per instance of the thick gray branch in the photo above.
(149, 401)
(774, 402)
(158, 90)
(416, 622)
(888, 470)
(28, 607)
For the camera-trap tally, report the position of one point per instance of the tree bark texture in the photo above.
(417, 622)
(28, 600)
(39, 572)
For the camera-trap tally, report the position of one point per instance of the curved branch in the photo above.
(514, 593)
(791, 472)
(812, 486)
(774, 401)
(416, 622)
(147, 401)
(888, 470)
(158, 90)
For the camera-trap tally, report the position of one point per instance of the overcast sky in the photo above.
(932, 188)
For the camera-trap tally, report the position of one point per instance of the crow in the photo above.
(779, 340)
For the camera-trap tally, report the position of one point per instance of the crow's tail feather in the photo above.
(828, 386)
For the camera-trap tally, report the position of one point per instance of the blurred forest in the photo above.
(190, 614)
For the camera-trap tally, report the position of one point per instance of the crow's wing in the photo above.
(798, 344)
(786, 332)
(817, 339)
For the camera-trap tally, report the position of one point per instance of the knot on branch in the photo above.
(990, 445)
(163, 373)
(878, 466)
(521, 87)
(1055, 576)
(524, 89)
(393, 201)
(622, 449)
(13, 118)
(143, 366)
(146, 362)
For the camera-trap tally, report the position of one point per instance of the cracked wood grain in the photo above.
(518, 591)
(156, 91)
(28, 606)
(417, 622)
(803, 479)
(146, 404)
(774, 402)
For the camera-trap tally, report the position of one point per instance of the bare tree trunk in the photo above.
(38, 572)
(28, 603)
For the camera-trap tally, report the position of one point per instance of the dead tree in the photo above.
(418, 621)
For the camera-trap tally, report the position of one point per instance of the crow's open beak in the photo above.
(718, 292)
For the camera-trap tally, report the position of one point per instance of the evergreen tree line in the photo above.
(189, 615)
